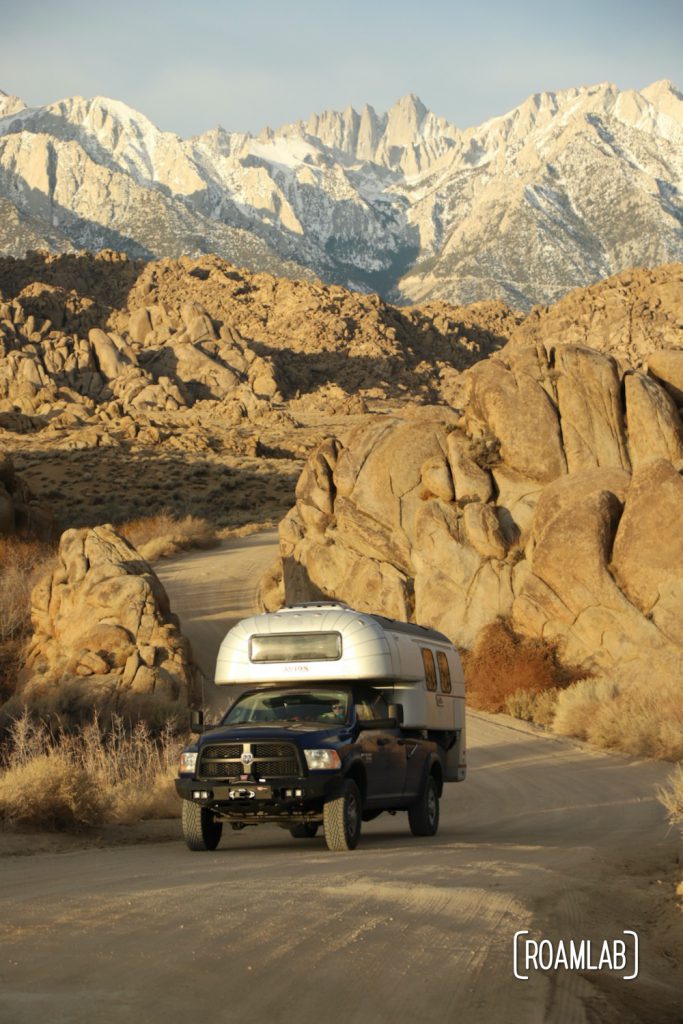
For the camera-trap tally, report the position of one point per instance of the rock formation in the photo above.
(103, 635)
(165, 336)
(467, 462)
(635, 316)
(553, 501)
(191, 375)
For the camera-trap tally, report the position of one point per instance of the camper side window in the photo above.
(430, 668)
(444, 672)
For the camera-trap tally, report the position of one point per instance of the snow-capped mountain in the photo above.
(563, 190)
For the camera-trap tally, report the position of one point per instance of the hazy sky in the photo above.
(189, 66)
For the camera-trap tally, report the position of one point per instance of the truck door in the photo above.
(415, 763)
(383, 751)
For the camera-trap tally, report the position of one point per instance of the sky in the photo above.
(189, 67)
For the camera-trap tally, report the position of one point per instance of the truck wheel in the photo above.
(342, 818)
(424, 813)
(200, 831)
(305, 831)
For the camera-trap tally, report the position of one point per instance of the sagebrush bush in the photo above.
(94, 775)
(502, 663)
(164, 534)
(639, 716)
(537, 706)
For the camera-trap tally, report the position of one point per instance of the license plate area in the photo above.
(243, 792)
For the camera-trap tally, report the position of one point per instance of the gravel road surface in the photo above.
(545, 835)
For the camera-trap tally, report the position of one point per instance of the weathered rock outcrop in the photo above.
(524, 507)
(103, 634)
(634, 316)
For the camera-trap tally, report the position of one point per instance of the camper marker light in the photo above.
(187, 762)
(318, 760)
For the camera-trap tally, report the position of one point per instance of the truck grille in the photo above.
(271, 761)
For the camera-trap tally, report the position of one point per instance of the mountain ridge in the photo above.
(562, 190)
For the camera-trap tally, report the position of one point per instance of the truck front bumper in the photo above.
(282, 800)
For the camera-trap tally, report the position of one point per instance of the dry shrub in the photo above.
(671, 795)
(638, 716)
(22, 562)
(70, 701)
(164, 534)
(533, 706)
(503, 663)
(72, 780)
(51, 792)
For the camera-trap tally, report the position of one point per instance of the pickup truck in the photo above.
(305, 757)
(316, 735)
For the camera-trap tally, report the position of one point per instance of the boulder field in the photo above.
(454, 464)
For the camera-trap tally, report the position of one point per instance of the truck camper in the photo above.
(338, 715)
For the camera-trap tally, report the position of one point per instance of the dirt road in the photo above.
(545, 835)
(212, 590)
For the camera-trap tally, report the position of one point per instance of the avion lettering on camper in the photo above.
(617, 955)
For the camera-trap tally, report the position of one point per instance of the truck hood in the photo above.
(304, 734)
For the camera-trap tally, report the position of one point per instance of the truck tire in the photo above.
(342, 818)
(424, 813)
(200, 831)
(305, 831)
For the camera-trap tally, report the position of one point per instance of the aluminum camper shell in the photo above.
(413, 666)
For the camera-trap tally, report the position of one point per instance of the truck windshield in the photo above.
(300, 705)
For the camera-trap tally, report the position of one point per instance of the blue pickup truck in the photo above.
(320, 739)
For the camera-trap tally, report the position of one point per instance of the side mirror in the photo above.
(196, 721)
(396, 711)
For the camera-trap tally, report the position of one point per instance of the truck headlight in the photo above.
(318, 760)
(187, 763)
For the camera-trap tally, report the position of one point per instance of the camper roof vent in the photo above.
(313, 604)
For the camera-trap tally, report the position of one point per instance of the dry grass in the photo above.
(164, 534)
(671, 795)
(22, 562)
(69, 781)
(637, 716)
(502, 665)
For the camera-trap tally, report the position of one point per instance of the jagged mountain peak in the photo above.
(666, 98)
(411, 105)
(661, 87)
(10, 104)
(97, 111)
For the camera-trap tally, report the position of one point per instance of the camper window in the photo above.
(444, 672)
(296, 647)
(430, 668)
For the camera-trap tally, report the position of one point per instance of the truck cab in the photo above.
(320, 738)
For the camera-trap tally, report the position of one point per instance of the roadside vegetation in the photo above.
(671, 795)
(525, 678)
(164, 534)
(518, 675)
(642, 717)
(22, 563)
(101, 774)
